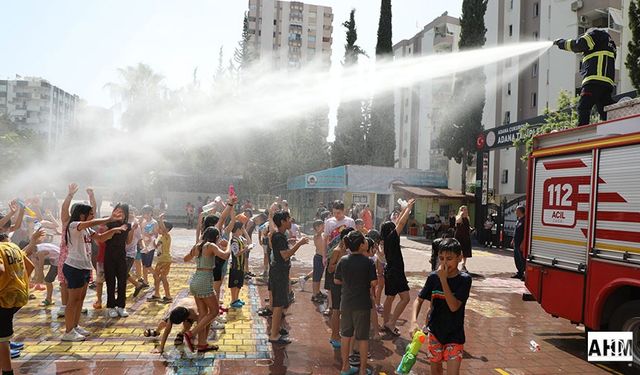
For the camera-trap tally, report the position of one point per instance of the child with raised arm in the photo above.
(447, 290)
(395, 280)
(239, 252)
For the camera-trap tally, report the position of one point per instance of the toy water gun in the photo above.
(27, 210)
(409, 357)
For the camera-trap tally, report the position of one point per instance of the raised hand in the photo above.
(38, 236)
(73, 189)
(90, 192)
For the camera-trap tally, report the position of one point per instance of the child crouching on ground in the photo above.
(448, 290)
(180, 315)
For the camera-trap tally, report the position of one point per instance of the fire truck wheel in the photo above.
(627, 318)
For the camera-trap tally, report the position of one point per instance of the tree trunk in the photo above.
(463, 180)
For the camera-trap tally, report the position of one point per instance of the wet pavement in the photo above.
(499, 326)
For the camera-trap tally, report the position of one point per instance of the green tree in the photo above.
(243, 55)
(381, 137)
(464, 120)
(141, 93)
(17, 148)
(350, 129)
(633, 58)
(566, 117)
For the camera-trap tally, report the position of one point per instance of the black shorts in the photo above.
(51, 274)
(219, 270)
(6, 322)
(236, 278)
(147, 258)
(336, 296)
(318, 268)
(279, 283)
(328, 279)
(76, 278)
(395, 283)
(355, 322)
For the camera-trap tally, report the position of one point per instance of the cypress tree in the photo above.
(633, 58)
(349, 132)
(381, 137)
(464, 120)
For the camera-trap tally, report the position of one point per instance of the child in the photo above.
(163, 265)
(357, 275)
(394, 278)
(180, 315)
(319, 260)
(77, 265)
(380, 262)
(149, 234)
(48, 252)
(239, 251)
(279, 278)
(448, 291)
(201, 287)
(336, 289)
(360, 227)
(15, 270)
(99, 280)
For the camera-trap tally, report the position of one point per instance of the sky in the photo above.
(78, 45)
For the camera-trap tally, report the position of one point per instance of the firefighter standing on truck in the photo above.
(597, 71)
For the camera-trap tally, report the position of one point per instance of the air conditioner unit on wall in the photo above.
(584, 20)
(577, 5)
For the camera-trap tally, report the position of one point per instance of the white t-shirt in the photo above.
(149, 235)
(333, 227)
(79, 247)
(132, 248)
(52, 251)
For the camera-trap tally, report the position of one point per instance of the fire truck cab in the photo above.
(582, 229)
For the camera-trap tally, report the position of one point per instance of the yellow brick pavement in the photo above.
(40, 329)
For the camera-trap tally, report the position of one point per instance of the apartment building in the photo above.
(291, 34)
(34, 103)
(419, 108)
(522, 88)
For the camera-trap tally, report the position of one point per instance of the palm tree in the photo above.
(140, 91)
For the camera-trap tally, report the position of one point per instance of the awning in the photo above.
(429, 192)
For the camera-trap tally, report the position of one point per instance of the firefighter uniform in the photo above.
(597, 71)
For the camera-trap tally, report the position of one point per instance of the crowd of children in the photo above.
(358, 263)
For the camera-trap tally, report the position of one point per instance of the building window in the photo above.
(275, 22)
(547, 76)
(536, 36)
(511, 4)
(510, 30)
(406, 118)
(507, 117)
(536, 9)
(409, 50)
(312, 38)
(534, 99)
(505, 176)
(534, 70)
(509, 88)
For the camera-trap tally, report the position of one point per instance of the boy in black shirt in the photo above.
(356, 273)
(448, 291)
(279, 277)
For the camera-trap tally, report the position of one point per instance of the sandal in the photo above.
(188, 339)
(207, 348)
(394, 331)
(179, 340)
(151, 333)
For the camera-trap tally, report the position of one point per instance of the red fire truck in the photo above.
(582, 230)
